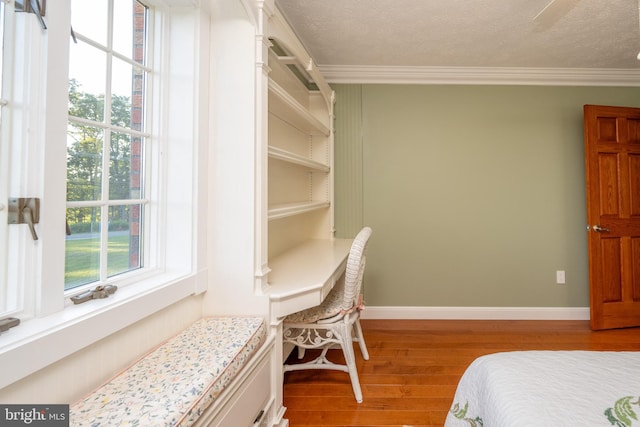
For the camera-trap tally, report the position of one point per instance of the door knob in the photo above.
(600, 229)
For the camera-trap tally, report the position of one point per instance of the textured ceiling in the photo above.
(583, 34)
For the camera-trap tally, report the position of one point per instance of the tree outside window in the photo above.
(105, 143)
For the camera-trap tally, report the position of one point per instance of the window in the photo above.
(4, 176)
(105, 132)
(11, 63)
(107, 140)
(2, 25)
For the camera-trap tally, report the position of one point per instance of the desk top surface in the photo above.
(307, 266)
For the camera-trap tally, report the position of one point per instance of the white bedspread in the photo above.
(549, 389)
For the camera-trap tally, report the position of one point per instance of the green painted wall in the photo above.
(476, 194)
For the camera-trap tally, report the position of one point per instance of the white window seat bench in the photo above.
(215, 372)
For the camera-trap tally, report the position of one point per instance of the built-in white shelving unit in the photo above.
(297, 258)
(286, 107)
(300, 150)
(280, 154)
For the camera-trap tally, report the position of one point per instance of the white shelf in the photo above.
(286, 156)
(299, 260)
(303, 276)
(290, 209)
(287, 108)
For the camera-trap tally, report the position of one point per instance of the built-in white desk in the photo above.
(302, 277)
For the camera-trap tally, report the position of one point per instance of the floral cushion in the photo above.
(173, 384)
(330, 306)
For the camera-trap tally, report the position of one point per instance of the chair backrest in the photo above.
(355, 269)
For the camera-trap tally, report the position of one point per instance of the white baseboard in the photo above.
(478, 313)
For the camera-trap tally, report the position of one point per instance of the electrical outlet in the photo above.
(560, 277)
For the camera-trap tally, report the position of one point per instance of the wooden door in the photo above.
(612, 151)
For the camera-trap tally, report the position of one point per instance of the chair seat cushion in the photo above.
(331, 306)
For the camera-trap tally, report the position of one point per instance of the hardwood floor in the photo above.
(414, 367)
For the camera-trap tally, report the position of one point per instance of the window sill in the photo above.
(37, 343)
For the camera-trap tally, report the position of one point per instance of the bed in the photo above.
(549, 389)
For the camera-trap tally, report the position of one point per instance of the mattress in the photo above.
(549, 388)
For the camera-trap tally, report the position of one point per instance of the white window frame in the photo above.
(150, 214)
(8, 298)
(52, 327)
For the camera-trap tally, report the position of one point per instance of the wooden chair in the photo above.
(335, 322)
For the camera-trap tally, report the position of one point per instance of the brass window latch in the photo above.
(36, 7)
(25, 210)
(8, 323)
(98, 293)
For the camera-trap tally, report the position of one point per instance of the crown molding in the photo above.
(481, 76)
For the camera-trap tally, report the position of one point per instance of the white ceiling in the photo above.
(352, 37)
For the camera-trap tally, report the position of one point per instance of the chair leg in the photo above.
(346, 342)
(359, 337)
